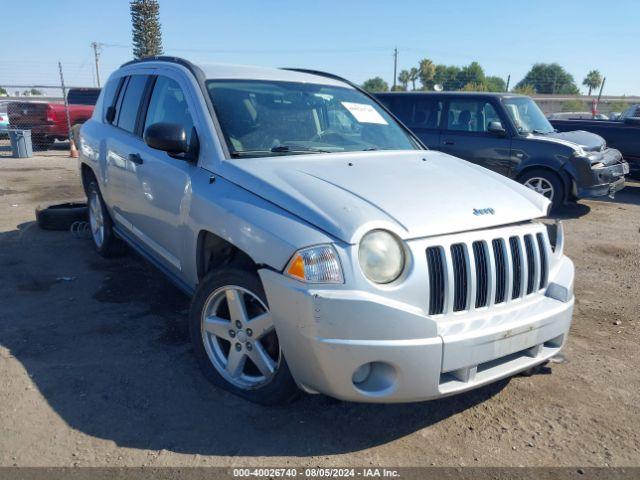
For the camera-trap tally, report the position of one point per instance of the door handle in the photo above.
(449, 142)
(136, 158)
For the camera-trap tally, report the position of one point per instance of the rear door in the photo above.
(465, 134)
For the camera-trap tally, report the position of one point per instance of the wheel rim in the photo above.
(540, 185)
(239, 337)
(96, 219)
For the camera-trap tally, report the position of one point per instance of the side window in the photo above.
(169, 105)
(130, 104)
(108, 96)
(426, 113)
(471, 115)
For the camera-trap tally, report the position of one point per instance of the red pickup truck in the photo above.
(47, 120)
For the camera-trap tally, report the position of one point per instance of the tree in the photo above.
(473, 73)
(413, 76)
(426, 72)
(593, 80)
(147, 34)
(31, 92)
(447, 76)
(549, 78)
(404, 77)
(474, 87)
(495, 84)
(375, 84)
(525, 90)
(3, 91)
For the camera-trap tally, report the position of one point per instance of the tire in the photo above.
(214, 351)
(40, 142)
(60, 216)
(541, 180)
(104, 238)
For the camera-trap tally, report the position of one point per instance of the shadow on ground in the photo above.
(106, 343)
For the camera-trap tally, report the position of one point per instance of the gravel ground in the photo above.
(96, 367)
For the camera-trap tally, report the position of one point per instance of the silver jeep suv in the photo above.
(325, 248)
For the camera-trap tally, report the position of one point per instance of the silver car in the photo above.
(325, 248)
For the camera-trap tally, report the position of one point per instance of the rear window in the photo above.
(108, 97)
(416, 111)
(83, 96)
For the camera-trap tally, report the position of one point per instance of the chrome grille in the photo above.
(482, 272)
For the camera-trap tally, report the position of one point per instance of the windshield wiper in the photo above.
(539, 132)
(297, 149)
(280, 150)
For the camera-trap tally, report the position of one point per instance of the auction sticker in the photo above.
(364, 113)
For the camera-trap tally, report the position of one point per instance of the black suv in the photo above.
(509, 134)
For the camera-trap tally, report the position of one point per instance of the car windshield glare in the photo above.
(265, 118)
(526, 115)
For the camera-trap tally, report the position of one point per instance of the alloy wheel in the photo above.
(239, 337)
(541, 185)
(96, 219)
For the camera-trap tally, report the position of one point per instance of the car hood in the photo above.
(412, 193)
(589, 142)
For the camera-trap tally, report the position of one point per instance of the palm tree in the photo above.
(593, 80)
(426, 71)
(404, 78)
(413, 76)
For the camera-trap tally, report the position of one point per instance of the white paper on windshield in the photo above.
(364, 113)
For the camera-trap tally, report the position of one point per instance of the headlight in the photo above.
(381, 256)
(319, 264)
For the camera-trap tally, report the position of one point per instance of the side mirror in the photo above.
(632, 120)
(168, 137)
(497, 128)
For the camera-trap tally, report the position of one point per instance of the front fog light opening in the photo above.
(374, 378)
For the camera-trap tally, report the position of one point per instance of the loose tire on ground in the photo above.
(541, 180)
(60, 216)
(275, 388)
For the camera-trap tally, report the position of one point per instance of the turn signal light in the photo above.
(318, 264)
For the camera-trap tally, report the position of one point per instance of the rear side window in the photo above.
(108, 97)
(417, 111)
(130, 104)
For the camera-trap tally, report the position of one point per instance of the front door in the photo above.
(466, 134)
(161, 185)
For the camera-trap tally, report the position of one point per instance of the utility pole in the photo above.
(64, 95)
(96, 55)
(508, 81)
(395, 67)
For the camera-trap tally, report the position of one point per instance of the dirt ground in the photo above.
(96, 367)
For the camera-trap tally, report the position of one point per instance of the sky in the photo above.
(354, 39)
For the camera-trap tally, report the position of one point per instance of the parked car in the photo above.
(324, 248)
(509, 134)
(48, 120)
(622, 134)
(4, 118)
(576, 115)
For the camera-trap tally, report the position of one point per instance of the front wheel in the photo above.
(234, 338)
(547, 184)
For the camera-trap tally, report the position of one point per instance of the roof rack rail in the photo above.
(161, 58)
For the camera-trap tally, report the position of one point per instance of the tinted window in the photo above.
(416, 111)
(108, 99)
(169, 105)
(128, 110)
(471, 115)
(83, 96)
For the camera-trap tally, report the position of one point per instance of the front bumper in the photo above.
(597, 182)
(328, 334)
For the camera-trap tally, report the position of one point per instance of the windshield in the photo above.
(263, 118)
(526, 115)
